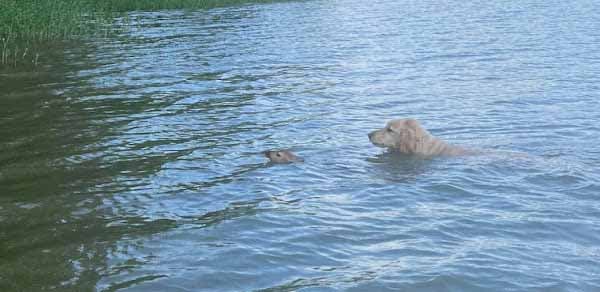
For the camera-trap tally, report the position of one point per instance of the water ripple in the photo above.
(134, 163)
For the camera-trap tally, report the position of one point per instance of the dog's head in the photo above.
(405, 135)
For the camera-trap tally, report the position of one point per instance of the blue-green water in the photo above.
(133, 163)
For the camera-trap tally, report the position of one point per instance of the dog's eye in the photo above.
(389, 129)
(278, 154)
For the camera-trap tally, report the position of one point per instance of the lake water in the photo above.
(133, 163)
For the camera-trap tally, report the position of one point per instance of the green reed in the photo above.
(129, 5)
(26, 25)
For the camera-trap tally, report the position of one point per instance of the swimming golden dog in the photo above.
(409, 137)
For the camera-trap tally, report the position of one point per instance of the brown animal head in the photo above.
(282, 156)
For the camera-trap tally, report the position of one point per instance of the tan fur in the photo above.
(409, 137)
(282, 156)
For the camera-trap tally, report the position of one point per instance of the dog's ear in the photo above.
(415, 126)
(396, 126)
(412, 123)
(409, 135)
(402, 125)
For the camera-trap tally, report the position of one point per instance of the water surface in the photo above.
(133, 163)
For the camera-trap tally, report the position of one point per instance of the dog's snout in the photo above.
(370, 135)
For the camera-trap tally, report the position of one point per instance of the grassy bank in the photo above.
(25, 25)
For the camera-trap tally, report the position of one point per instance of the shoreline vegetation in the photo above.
(27, 26)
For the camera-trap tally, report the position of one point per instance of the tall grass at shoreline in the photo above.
(131, 5)
(26, 25)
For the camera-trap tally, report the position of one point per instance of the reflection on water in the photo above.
(134, 163)
(397, 167)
